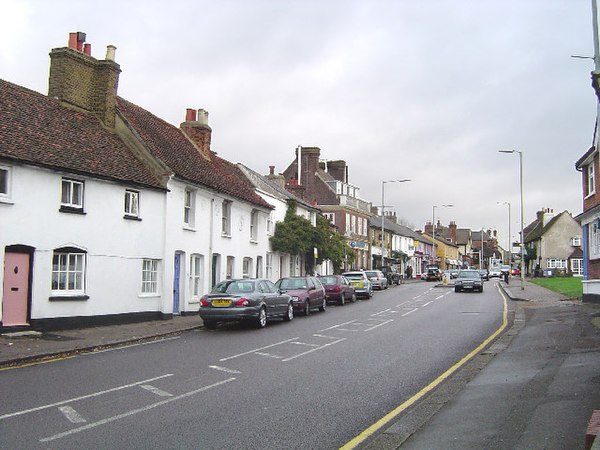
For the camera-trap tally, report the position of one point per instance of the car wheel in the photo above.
(306, 308)
(456, 289)
(261, 321)
(343, 299)
(386, 286)
(353, 299)
(210, 324)
(370, 294)
(323, 306)
(481, 290)
(289, 315)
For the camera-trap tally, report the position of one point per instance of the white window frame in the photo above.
(132, 203)
(149, 276)
(247, 267)
(576, 241)
(555, 263)
(254, 226)
(270, 224)
(5, 182)
(269, 266)
(70, 197)
(189, 208)
(330, 217)
(196, 275)
(591, 179)
(594, 239)
(68, 272)
(230, 267)
(226, 218)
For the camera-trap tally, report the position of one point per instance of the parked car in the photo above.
(485, 275)
(495, 272)
(337, 289)
(253, 300)
(392, 274)
(307, 293)
(432, 274)
(360, 282)
(516, 272)
(468, 280)
(454, 273)
(378, 279)
(504, 268)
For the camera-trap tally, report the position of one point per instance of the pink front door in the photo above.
(15, 294)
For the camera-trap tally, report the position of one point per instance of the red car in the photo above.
(338, 289)
(307, 293)
(515, 272)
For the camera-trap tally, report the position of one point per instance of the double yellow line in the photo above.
(363, 436)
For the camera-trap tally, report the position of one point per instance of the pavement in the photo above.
(535, 387)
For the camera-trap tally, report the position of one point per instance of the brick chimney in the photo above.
(338, 170)
(452, 232)
(197, 130)
(78, 79)
(429, 228)
(276, 178)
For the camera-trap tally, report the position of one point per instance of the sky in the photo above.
(426, 90)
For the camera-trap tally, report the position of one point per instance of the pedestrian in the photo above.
(505, 276)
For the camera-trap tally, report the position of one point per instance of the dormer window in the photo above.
(576, 241)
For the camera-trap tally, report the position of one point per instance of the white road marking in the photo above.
(112, 349)
(71, 415)
(71, 400)
(409, 312)
(156, 390)
(428, 303)
(305, 343)
(379, 325)
(133, 412)
(224, 369)
(268, 355)
(437, 298)
(326, 337)
(313, 350)
(336, 326)
(381, 312)
(257, 349)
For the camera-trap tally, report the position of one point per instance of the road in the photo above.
(315, 382)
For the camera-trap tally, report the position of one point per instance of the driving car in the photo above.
(360, 282)
(378, 279)
(392, 274)
(468, 280)
(307, 293)
(433, 273)
(485, 275)
(337, 288)
(495, 272)
(251, 300)
(454, 273)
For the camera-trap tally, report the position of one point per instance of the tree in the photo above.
(330, 243)
(294, 235)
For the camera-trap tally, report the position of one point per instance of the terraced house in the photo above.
(108, 213)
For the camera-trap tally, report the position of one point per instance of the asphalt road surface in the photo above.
(316, 382)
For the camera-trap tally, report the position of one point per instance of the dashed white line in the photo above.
(71, 400)
(71, 415)
(379, 325)
(437, 298)
(133, 412)
(305, 343)
(268, 355)
(156, 390)
(428, 303)
(258, 349)
(381, 312)
(336, 326)
(409, 312)
(313, 350)
(224, 369)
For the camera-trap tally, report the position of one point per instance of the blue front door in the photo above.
(176, 274)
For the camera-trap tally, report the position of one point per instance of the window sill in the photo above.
(134, 218)
(6, 201)
(149, 295)
(253, 241)
(228, 236)
(68, 298)
(71, 210)
(590, 195)
(188, 228)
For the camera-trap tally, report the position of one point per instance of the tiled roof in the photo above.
(38, 130)
(170, 145)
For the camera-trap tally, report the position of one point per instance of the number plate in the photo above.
(221, 303)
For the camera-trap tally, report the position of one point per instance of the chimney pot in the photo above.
(110, 52)
(203, 117)
(73, 40)
(190, 115)
(87, 49)
(271, 170)
(80, 40)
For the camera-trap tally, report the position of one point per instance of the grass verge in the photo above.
(569, 286)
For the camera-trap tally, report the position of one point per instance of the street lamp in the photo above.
(522, 237)
(383, 214)
(433, 223)
(509, 248)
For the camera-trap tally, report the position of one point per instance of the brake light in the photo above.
(242, 302)
(203, 302)
(337, 288)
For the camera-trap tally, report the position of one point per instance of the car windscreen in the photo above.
(354, 276)
(234, 287)
(328, 280)
(468, 274)
(292, 283)
(371, 273)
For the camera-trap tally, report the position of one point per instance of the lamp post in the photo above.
(509, 248)
(383, 214)
(522, 237)
(433, 223)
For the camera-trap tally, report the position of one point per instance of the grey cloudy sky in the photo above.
(421, 89)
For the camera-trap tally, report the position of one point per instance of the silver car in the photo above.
(378, 279)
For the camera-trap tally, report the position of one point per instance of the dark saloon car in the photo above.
(392, 274)
(337, 289)
(468, 280)
(485, 275)
(253, 300)
(432, 274)
(307, 293)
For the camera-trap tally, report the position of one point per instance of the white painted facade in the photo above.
(114, 247)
